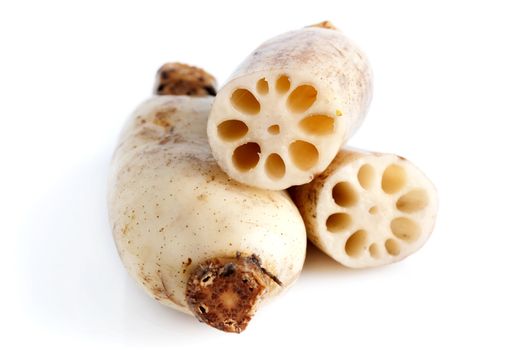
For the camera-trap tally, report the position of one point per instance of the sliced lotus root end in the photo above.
(268, 132)
(371, 209)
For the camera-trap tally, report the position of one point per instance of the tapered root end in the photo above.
(182, 79)
(325, 25)
(225, 292)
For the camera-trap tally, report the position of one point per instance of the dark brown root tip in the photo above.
(325, 25)
(224, 293)
(182, 79)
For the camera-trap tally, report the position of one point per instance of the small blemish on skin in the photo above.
(186, 263)
(228, 270)
(210, 90)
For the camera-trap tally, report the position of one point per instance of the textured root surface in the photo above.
(224, 292)
(182, 79)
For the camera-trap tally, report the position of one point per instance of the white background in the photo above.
(449, 95)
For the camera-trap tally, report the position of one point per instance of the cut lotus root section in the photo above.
(264, 135)
(368, 209)
(299, 110)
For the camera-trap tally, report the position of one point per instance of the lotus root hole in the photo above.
(301, 98)
(405, 229)
(246, 157)
(365, 176)
(303, 154)
(282, 84)
(262, 86)
(392, 247)
(356, 244)
(344, 194)
(245, 102)
(275, 167)
(274, 129)
(231, 130)
(414, 200)
(338, 222)
(394, 178)
(319, 125)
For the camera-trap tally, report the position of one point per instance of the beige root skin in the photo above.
(368, 209)
(171, 209)
(225, 292)
(289, 107)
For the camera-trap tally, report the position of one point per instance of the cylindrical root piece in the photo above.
(368, 209)
(177, 219)
(290, 106)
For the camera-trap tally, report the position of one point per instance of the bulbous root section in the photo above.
(182, 79)
(225, 292)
